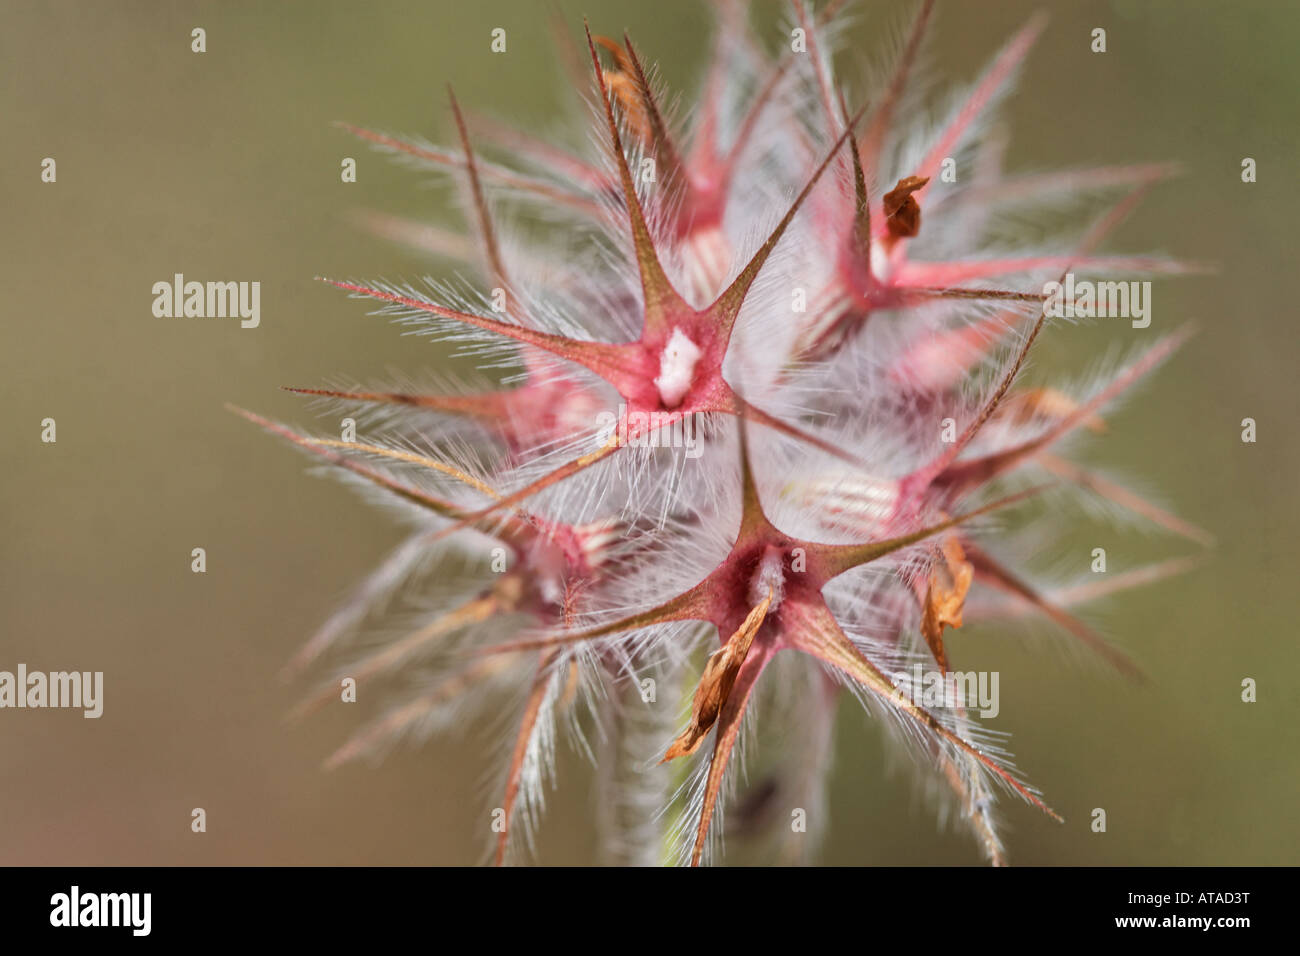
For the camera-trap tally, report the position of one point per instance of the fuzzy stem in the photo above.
(632, 792)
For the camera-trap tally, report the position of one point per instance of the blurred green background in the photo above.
(225, 166)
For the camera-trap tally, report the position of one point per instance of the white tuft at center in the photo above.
(676, 368)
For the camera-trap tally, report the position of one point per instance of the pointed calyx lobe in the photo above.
(699, 181)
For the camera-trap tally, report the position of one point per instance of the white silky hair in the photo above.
(653, 522)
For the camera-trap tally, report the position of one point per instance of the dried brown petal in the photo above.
(902, 211)
(716, 682)
(950, 580)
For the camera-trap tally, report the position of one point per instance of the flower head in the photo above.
(767, 399)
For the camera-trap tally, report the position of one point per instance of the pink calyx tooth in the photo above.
(677, 368)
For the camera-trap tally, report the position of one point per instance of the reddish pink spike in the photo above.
(418, 235)
(763, 97)
(496, 265)
(1021, 188)
(812, 629)
(532, 710)
(847, 555)
(1107, 223)
(991, 572)
(1114, 583)
(738, 406)
(438, 506)
(948, 273)
(922, 479)
(534, 414)
(997, 76)
(916, 483)
(873, 139)
(567, 470)
(506, 177)
(516, 529)
(562, 164)
(828, 561)
(753, 519)
(693, 605)
(956, 476)
(601, 358)
(662, 140)
(745, 133)
(922, 293)
(570, 57)
(729, 403)
(727, 730)
(940, 361)
(410, 713)
(476, 609)
(1113, 491)
(369, 593)
(661, 300)
(913, 274)
(818, 64)
(726, 308)
(862, 199)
